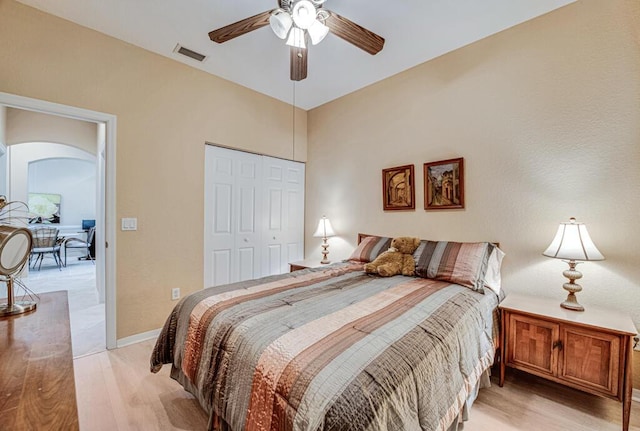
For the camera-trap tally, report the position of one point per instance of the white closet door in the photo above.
(293, 234)
(232, 208)
(283, 237)
(248, 210)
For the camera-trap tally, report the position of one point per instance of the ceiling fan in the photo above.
(300, 20)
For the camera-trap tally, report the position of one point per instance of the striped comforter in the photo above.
(330, 349)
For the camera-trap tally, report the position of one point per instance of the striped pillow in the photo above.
(463, 263)
(369, 248)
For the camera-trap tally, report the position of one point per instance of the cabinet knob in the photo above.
(557, 344)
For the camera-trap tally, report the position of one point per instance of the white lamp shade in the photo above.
(281, 23)
(304, 14)
(296, 38)
(572, 242)
(324, 228)
(317, 32)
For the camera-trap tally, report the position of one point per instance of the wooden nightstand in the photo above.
(304, 264)
(588, 350)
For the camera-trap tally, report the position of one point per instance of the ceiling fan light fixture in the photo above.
(291, 20)
(317, 32)
(280, 22)
(304, 14)
(296, 38)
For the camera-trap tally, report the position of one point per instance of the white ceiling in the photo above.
(415, 31)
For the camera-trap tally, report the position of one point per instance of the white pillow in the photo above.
(492, 277)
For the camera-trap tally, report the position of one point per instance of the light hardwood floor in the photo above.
(87, 314)
(116, 391)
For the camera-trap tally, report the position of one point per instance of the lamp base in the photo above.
(325, 245)
(18, 307)
(571, 303)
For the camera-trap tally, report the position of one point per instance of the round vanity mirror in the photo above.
(15, 245)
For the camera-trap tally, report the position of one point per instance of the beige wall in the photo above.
(28, 126)
(165, 111)
(3, 151)
(3, 125)
(547, 117)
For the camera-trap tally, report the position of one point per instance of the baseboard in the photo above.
(635, 395)
(126, 341)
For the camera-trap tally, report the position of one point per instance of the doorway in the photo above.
(58, 183)
(105, 194)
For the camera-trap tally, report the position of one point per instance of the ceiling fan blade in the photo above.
(239, 28)
(354, 34)
(298, 63)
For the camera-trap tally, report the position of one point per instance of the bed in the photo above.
(334, 348)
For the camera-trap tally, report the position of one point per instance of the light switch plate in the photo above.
(130, 223)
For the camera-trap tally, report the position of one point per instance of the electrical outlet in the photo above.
(175, 293)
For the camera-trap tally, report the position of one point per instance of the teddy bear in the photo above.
(397, 260)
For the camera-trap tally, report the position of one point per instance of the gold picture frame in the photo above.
(398, 190)
(444, 184)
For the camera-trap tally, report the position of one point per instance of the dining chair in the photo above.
(78, 243)
(45, 241)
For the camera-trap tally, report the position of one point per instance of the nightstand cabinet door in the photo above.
(590, 359)
(533, 345)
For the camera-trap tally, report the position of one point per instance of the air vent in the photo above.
(189, 53)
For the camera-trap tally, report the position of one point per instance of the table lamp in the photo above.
(324, 231)
(572, 243)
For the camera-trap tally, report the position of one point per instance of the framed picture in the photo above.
(44, 208)
(444, 184)
(398, 191)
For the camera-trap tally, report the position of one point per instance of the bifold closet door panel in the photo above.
(283, 238)
(232, 211)
(254, 215)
